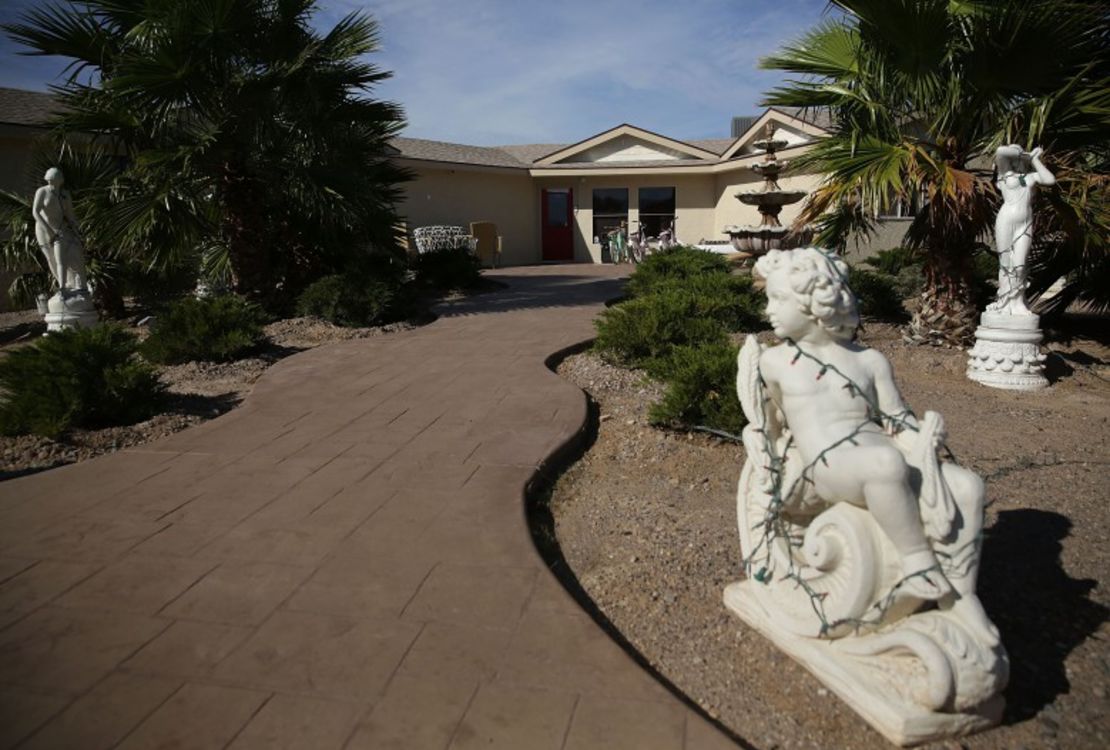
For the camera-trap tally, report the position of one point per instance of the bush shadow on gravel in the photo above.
(197, 405)
(1042, 613)
(22, 332)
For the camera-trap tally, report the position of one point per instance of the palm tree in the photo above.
(921, 92)
(250, 141)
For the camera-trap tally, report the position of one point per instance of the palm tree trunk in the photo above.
(244, 228)
(946, 314)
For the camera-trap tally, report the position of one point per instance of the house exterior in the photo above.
(555, 202)
(552, 202)
(22, 118)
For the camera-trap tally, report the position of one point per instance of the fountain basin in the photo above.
(773, 144)
(769, 167)
(771, 197)
(757, 240)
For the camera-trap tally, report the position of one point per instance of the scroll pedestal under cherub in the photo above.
(861, 546)
(56, 233)
(1007, 352)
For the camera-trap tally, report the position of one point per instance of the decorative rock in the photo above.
(861, 546)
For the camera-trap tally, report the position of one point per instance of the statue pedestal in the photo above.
(75, 310)
(1007, 352)
(876, 683)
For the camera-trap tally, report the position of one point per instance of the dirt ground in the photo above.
(197, 391)
(647, 521)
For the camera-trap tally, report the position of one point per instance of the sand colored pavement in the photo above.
(341, 562)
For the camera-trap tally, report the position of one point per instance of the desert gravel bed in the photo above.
(647, 522)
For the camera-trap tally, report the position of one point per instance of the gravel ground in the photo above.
(647, 522)
(197, 391)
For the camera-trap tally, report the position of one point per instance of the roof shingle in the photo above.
(30, 108)
(458, 153)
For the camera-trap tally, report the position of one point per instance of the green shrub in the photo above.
(904, 267)
(701, 390)
(642, 331)
(214, 329)
(681, 311)
(877, 295)
(81, 378)
(724, 297)
(675, 264)
(892, 262)
(448, 269)
(355, 301)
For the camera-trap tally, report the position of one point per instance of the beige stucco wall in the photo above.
(460, 196)
(731, 211)
(694, 209)
(889, 233)
(705, 204)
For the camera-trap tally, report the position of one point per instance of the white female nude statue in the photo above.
(1019, 173)
(56, 233)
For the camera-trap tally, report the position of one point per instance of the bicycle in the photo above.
(617, 240)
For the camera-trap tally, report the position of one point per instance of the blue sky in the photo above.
(492, 72)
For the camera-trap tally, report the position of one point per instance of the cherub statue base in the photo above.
(875, 686)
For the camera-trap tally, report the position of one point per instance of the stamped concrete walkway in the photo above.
(342, 562)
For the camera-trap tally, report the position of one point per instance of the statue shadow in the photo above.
(1042, 613)
(1061, 364)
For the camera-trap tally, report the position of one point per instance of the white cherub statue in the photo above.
(849, 521)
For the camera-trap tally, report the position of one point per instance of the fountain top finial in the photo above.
(770, 143)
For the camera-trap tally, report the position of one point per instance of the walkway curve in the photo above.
(342, 562)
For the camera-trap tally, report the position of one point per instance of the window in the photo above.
(610, 209)
(656, 209)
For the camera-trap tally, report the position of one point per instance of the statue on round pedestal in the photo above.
(58, 238)
(861, 545)
(1007, 350)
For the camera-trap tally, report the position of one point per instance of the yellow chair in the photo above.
(489, 243)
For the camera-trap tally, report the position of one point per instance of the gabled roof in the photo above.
(29, 108)
(529, 152)
(455, 153)
(621, 131)
(804, 121)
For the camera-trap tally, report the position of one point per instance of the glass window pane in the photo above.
(611, 201)
(657, 200)
(605, 224)
(654, 224)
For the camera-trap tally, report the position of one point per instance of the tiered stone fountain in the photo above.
(769, 234)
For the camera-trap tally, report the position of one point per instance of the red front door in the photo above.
(558, 224)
